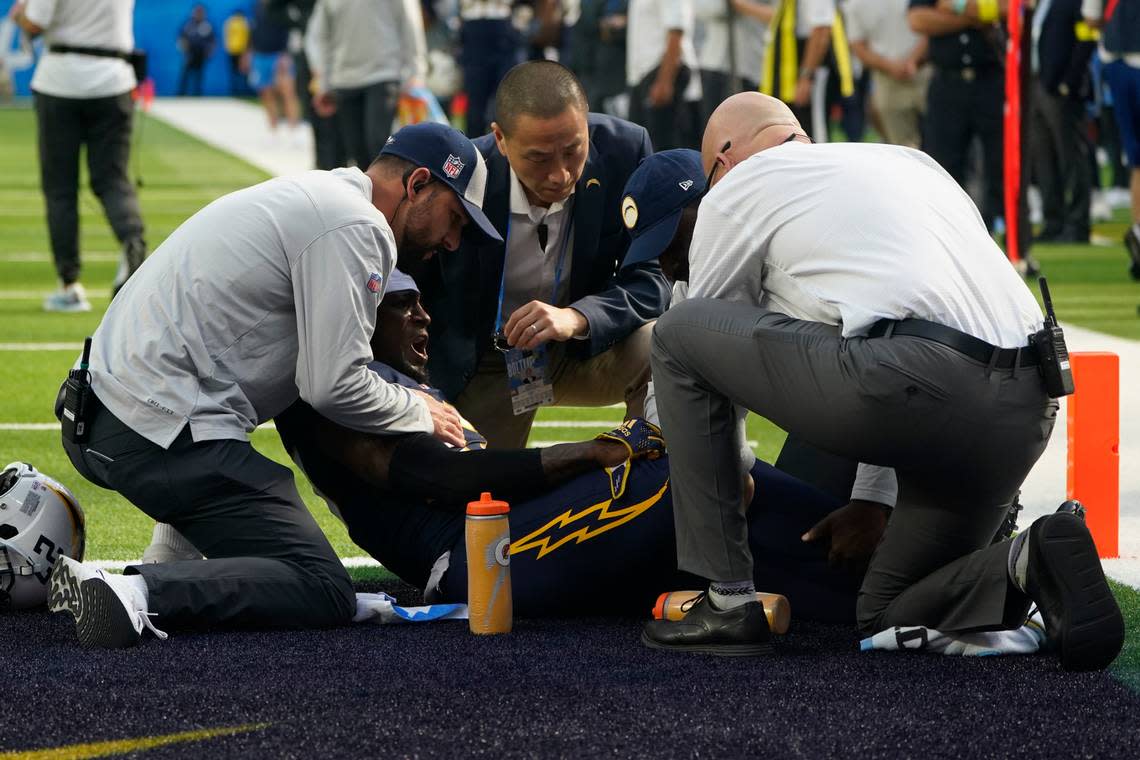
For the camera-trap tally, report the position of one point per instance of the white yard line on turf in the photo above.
(41, 346)
(114, 564)
(32, 257)
(38, 295)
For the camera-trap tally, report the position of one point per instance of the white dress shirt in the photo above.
(529, 268)
(84, 23)
(850, 233)
(265, 295)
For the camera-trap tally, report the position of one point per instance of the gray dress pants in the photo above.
(104, 126)
(269, 563)
(961, 437)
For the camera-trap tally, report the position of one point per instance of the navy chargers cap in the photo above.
(452, 159)
(655, 195)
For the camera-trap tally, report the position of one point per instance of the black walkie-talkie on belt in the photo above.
(77, 399)
(1052, 354)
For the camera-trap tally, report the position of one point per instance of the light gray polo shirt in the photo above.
(265, 295)
(357, 43)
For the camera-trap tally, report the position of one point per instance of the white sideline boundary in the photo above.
(116, 565)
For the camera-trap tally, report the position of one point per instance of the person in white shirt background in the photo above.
(882, 39)
(851, 294)
(267, 295)
(363, 54)
(729, 65)
(83, 99)
(662, 71)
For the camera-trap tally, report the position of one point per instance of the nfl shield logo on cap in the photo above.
(448, 155)
(453, 166)
(374, 282)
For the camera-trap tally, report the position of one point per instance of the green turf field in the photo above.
(1090, 286)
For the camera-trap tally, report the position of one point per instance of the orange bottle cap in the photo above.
(487, 506)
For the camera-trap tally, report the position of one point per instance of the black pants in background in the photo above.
(1061, 163)
(190, 83)
(269, 563)
(104, 126)
(673, 125)
(364, 116)
(716, 86)
(328, 147)
(963, 105)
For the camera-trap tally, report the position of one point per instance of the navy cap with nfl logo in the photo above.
(453, 160)
(655, 195)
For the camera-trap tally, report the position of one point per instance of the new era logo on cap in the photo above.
(651, 209)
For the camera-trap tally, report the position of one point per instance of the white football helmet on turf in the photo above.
(39, 520)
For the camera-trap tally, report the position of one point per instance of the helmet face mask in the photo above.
(40, 520)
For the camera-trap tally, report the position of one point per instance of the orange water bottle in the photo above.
(489, 566)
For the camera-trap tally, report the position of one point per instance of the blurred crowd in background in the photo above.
(891, 70)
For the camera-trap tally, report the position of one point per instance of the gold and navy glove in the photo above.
(641, 439)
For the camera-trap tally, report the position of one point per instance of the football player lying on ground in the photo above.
(585, 540)
(579, 530)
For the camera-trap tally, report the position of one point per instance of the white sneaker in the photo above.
(1100, 210)
(1118, 197)
(109, 612)
(72, 298)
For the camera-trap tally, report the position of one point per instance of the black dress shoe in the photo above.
(1082, 619)
(739, 632)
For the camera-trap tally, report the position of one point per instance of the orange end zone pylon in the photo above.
(1094, 446)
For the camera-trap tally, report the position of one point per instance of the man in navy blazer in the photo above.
(555, 174)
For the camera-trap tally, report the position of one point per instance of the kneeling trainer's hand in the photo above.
(445, 419)
(853, 532)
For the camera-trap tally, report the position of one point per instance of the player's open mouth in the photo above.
(419, 347)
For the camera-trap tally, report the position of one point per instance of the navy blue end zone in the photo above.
(581, 688)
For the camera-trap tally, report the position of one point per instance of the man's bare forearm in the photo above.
(567, 460)
(671, 60)
(816, 49)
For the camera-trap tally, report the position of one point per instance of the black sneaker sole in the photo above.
(101, 620)
(721, 650)
(1069, 578)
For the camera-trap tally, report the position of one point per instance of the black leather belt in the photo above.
(975, 348)
(97, 52)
